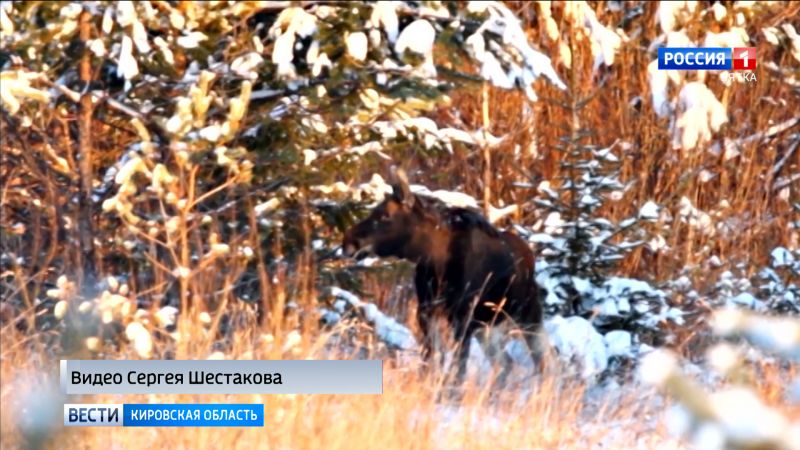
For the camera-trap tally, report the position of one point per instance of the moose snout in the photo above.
(356, 246)
(350, 245)
(349, 249)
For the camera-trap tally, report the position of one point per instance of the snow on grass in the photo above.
(387, 329)
(551, 284)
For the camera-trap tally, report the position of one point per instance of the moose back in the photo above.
(475, 273)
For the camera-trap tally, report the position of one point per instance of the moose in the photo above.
(477, 275)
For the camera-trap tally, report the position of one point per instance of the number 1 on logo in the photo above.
(744, 58)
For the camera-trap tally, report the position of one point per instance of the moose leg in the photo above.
(426, 286)
(424, 323)
(496, 352)
(463, 332)
(507, 364)
(537, 345)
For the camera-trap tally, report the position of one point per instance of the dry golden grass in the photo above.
(418, 409)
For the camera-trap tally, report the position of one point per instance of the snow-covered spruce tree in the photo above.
(211, 133)
(580, 247)
(775, 287)
(779, 283)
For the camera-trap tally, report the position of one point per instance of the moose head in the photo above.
(401, 226)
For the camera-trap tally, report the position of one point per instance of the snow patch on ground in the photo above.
(576, 339)
(387, 329)
(619, 343)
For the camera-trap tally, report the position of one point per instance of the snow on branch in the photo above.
(502, 48)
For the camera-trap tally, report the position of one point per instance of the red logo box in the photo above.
(744, 58)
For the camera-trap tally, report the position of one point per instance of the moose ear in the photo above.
(400, 190)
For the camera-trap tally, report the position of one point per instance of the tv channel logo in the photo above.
(96, 415)
(707, 58)
(744, 58)
(164, 415)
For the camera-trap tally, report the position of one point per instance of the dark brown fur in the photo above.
(481, 275)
